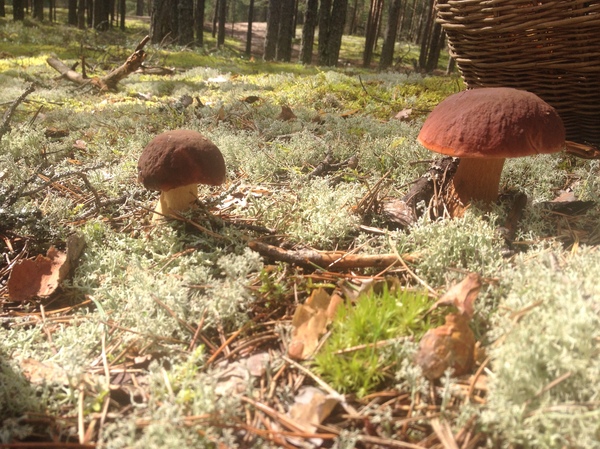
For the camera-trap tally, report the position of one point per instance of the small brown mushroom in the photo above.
(175, 162)
(483, 127)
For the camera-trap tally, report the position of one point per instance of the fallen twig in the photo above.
(5, 125)
(327, 259)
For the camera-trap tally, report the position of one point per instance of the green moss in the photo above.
(350, 360)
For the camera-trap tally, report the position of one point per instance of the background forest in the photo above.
(300, 304)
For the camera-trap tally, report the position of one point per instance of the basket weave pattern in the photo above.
(548, 47)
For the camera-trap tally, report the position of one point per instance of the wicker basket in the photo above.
(548, 47)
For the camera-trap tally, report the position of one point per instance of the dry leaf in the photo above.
(404, 114)
(462, 295)
(311, 407)
(41, 276)
(350, 113)
(451, 345)
(310, 322)
(286, 114)
(38, 372)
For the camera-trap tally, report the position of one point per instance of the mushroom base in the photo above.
(178, 200)
(476, 179)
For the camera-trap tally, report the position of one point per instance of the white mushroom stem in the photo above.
(179, 200)
(478, 179)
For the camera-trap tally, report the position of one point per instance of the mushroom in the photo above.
(175, 162)
(484, 126)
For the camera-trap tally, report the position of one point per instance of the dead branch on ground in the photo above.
(328, 259)
(5, 125)
(111, 79)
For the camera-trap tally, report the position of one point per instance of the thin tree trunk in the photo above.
(273, 18)
(81, 14)
(308, 31)
(139, 7)
(284, 36)
(222, 17)
(387, 49)
(249, 29)
(435, 47)
(425, 37)
(336, 30)
(199, 23)
(123, 11)
(324, 21)
(372, 31)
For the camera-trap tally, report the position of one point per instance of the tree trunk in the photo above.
(186, 22)
(324, 20)
(425, 36)
(2, 9)
(18, 10)
(38, 10)
(372, 30)
(81, 14)
(286, 32)
(387, 49)
(249, 28)
(435, 47)
(273, 19)
(122, 12)
(139, 7)
(308, 31)
(221, 18)
(336, 30)
(353, 20)
(101, 12)
(72, 12)
(160, 20)
(199, 22)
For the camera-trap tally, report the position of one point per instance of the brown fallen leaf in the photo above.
(251, 99)
(462, 295)
(451, 345)
(39, 373)
(286, 114)
(42, 275)
(311, 407)
(310, 322)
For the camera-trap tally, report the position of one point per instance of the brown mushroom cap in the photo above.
(493, 122)
(178, 158)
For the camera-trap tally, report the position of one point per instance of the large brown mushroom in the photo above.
(484, 126)
(175, 162)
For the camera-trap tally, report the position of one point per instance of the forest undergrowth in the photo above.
(286, 309)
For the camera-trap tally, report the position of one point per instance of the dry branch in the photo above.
(328, 259)
(5, 125)
(111, 79)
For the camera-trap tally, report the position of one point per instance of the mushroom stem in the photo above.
(178, 199)
(478, 179)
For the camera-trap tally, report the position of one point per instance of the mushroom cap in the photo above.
(180, 157)
(493, 122)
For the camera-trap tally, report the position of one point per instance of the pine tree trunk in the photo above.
(18, 10)
(286, 32)
(160, 20)
(336, 30)
(81, 14)
(308, 31)
(273, 19)
(221, 18)
(199, 23)
(139, 7)
(249, 28)
(186, 22)
(324, 21)
(387, 49)
(72, 13)
(371, 31)
(435, 47)
(38, 10)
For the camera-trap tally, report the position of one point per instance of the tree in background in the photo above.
(273, 19)
(249, 28)
(308, 30)
(199, 22)
(186, 22)
(387, 50)
(160, 20)
(18, 10)
(221, 19)
(332, 19)
(372, 30)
